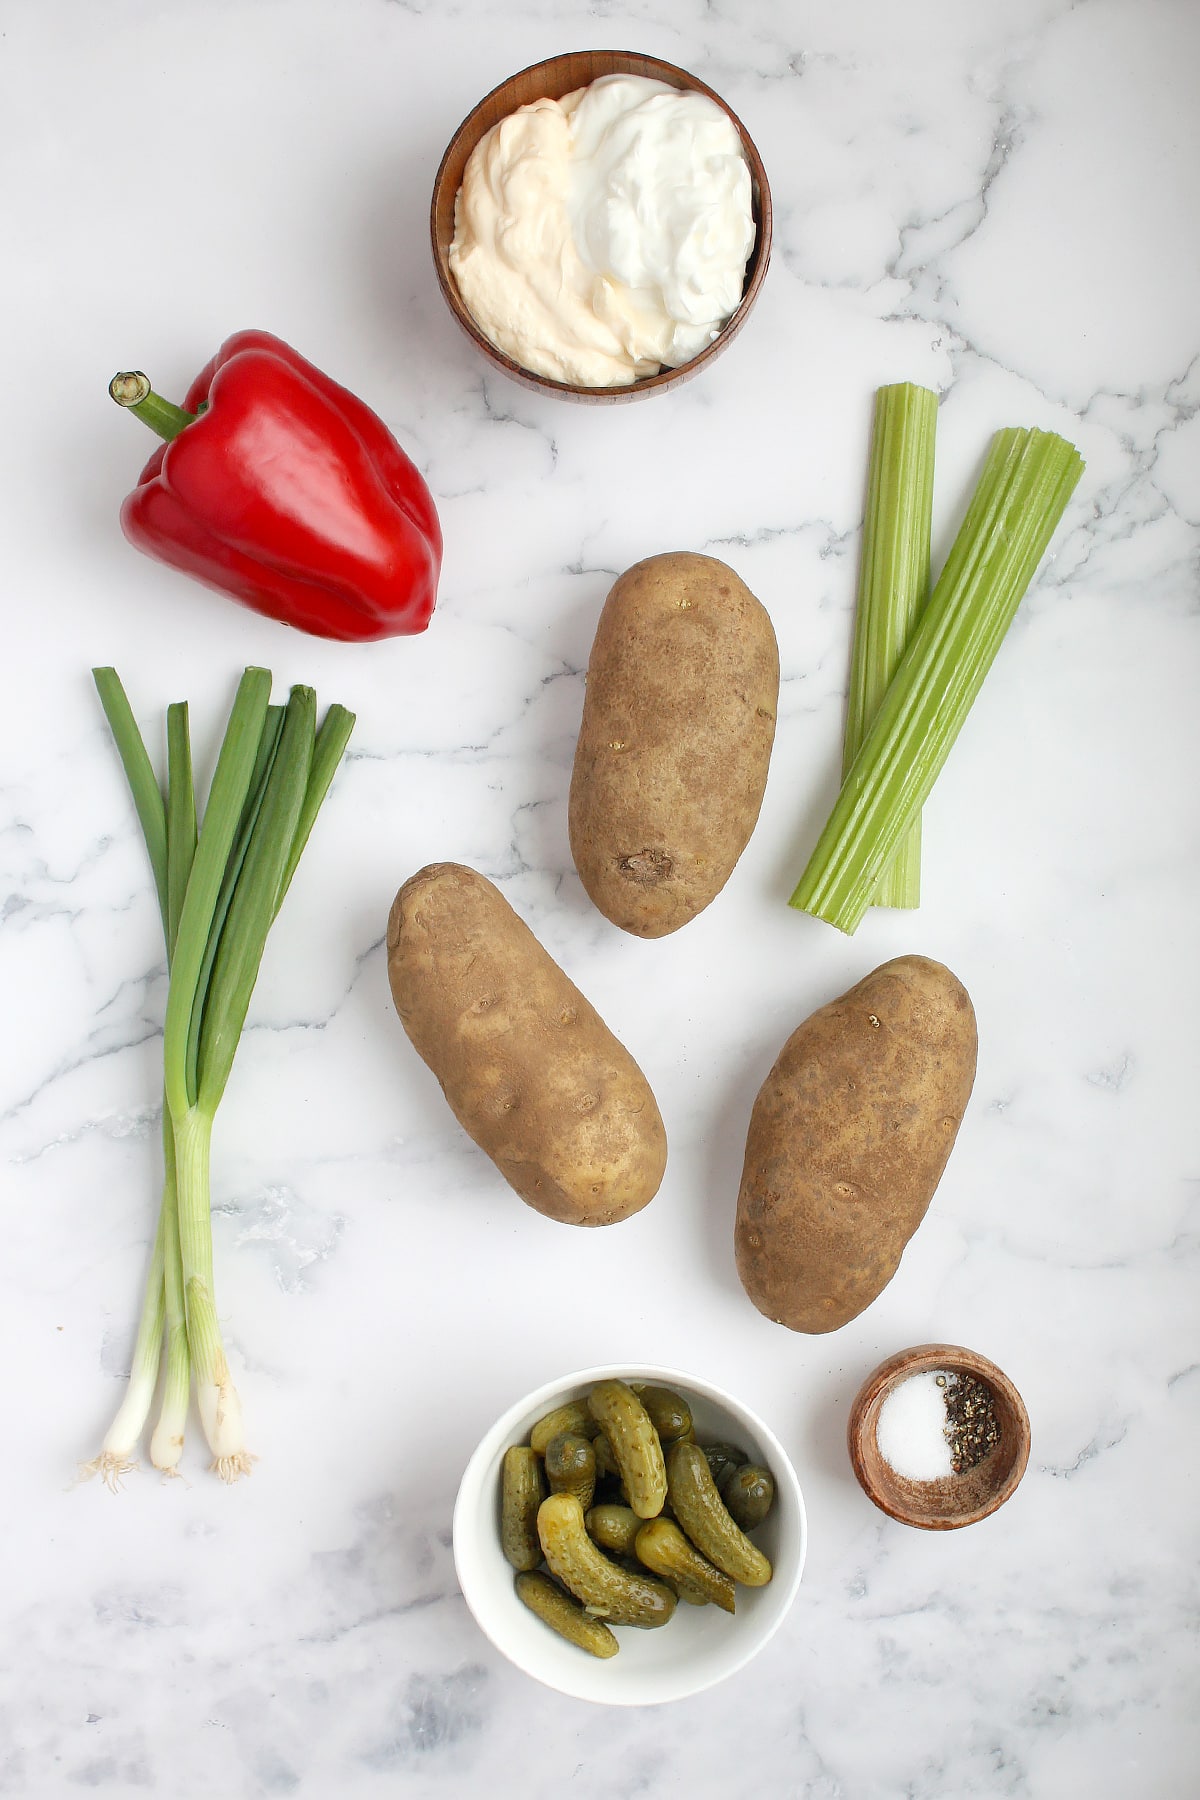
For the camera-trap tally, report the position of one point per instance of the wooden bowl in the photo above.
(951, 1500)
(552, 80)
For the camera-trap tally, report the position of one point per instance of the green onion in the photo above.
(166, 1445)
(893, 587)
(147, 795)
(219, 891)
(230, 784)
(267, 746)
(118, 1452)
(1022, 494)
(332, 739)
(253, 903)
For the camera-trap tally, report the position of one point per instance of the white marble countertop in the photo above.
(999, 202)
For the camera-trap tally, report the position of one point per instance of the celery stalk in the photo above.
(1022, 494)
(893, 587)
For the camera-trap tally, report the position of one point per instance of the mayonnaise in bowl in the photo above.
(604, 236)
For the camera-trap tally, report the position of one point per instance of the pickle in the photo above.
(613, 1527)
(571, 1467)
(573, 1416)
(565, 1615)
(610, 1489)
(748, 1493)
(664, 1549)
(723, 1457)
(705, 1517)
(522, 1491)
(609, 1486)
(607, 1591)
(670, 1414)
(635, 1445)
(602, 1450)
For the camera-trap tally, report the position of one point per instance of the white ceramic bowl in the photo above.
(701, 1645)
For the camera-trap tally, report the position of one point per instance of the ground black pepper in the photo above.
(971, 1423)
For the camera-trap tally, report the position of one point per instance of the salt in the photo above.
(911, 1430)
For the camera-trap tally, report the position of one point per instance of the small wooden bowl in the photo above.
(552, 80)
(951, 1500)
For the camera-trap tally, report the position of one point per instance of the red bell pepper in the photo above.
(281, 488)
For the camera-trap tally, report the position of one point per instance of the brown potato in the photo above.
(678, 723)
(530, 1069)
(848, 1139)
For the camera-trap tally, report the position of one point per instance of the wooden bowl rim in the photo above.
(471, 128)
(864, 1413)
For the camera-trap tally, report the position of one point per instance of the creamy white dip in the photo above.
(600, 237)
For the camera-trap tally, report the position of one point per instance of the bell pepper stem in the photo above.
(132, 389)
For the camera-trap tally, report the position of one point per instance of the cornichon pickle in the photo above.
(705, 1517)
(723, 1457)
(602, 1450)
(522, 1491)
(571, 1466)
(573, 1416)
(565, 1615)
(664, 1549)
(609, 1486)
(670, 1414)
(748, 1493)
(606, 1590)
(635, 1445)
(613, 1527)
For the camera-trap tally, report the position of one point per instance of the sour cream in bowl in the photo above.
(601, 225)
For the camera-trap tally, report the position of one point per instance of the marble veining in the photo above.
(998, 202)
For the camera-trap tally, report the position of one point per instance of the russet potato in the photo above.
(678, 723)
(848, 1139)
(529, 1068)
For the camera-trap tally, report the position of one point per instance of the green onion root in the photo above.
(118, 1453)
(216, 1396)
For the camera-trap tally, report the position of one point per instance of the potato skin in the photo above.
(678, 723)
(848, 1139)
(529, 1068)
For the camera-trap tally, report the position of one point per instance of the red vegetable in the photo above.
(281, 488)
